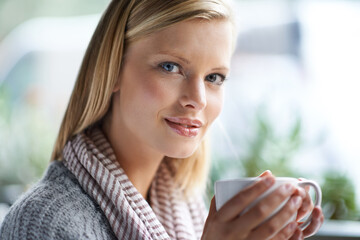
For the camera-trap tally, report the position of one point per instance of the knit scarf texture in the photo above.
(170, 215)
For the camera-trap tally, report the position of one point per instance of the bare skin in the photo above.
(178, 73)
(227, 224)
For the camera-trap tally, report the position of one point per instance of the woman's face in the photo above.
(170, 89)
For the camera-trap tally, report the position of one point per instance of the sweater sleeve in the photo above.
(56, 208)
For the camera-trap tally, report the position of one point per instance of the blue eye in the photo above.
(215, 78)
(170, 67)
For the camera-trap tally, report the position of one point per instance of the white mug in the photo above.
(227, 189)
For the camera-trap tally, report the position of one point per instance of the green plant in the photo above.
(271, 150)
(266, 150)
(339, 200)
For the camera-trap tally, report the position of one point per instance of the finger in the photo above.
(316, 222)
(274, 226)
(212, 209)
(266, 173)
(211, 215)
(264, 208)
(240, 201)
(307, 188)
(298, 235)
(306, 207)
(286, 232)
(301, 192)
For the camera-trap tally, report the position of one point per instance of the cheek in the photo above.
(154, 92)
(214, 107)
(146, 94)
(157, 93)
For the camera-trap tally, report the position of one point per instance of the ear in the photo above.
(117, 86)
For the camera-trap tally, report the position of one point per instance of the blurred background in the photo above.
(291, 102)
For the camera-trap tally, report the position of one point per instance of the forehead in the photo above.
(195, 28)
(189, 37)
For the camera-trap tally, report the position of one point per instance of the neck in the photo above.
(139, 162)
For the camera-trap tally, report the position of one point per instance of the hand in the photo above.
(308, 206)
(228, 224)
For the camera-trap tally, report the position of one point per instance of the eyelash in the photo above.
(162, 66)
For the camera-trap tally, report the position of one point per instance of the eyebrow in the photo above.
(188, 62)
(220, 68)
(175, 55)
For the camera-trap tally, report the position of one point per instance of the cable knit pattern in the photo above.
(89, 196)
(56, 208)
(91, 159)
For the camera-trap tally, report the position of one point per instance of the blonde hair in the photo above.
(123, 22)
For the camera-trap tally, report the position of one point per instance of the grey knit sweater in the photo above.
(56, 208)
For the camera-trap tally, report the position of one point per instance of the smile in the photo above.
(184, 127)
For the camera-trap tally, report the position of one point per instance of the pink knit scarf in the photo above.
(91, 159)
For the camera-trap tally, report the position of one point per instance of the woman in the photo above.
(130, 157)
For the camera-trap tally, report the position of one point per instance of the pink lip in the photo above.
(184, 126)
(185, 121)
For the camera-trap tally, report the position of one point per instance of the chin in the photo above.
(181, 153)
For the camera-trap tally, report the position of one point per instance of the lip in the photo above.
(185, 121)
(184, 126)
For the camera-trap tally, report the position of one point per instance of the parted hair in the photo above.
(123, 22)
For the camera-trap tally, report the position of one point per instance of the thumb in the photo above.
(212, 209)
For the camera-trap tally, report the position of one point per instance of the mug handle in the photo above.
(318, 196)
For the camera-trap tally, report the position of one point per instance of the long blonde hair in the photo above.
(123, 22)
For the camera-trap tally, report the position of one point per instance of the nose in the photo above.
(194, 94)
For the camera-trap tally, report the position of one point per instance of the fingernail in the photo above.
(265, 173)
(296, 201)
